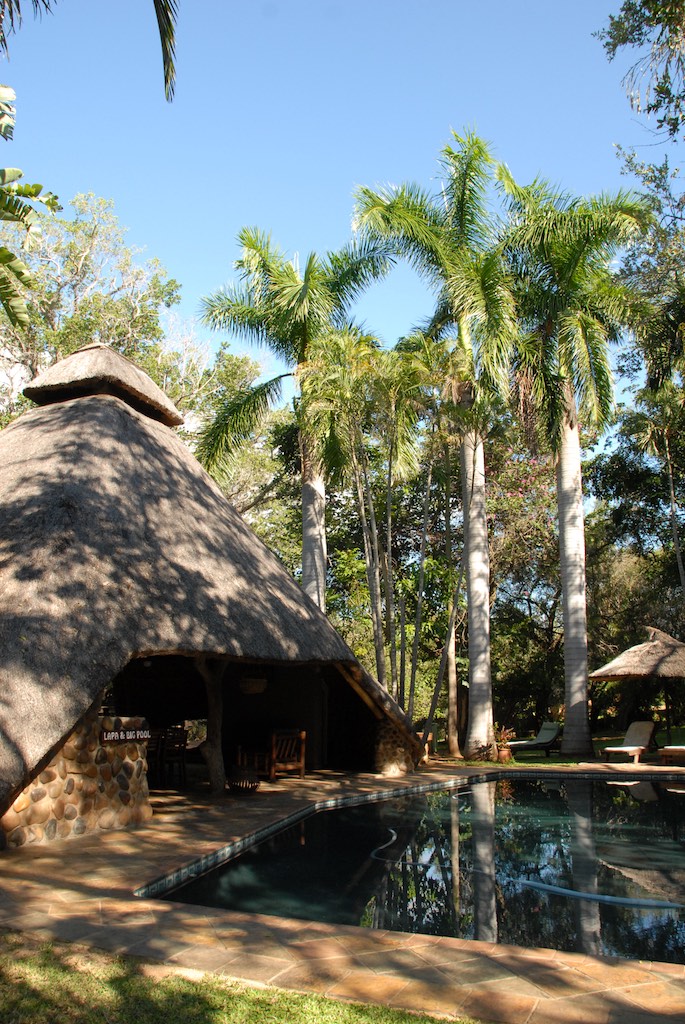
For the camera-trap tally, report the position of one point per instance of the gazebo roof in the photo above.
(661, 656)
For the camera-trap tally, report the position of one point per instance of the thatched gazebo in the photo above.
(661, 659)
(123, 568)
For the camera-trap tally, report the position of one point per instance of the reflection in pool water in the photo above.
(561, 863)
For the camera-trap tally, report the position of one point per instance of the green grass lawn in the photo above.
(537, 758)
(60, 983)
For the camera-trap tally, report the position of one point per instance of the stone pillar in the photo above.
(97, 780)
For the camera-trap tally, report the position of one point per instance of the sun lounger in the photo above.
(672, 755)
(638, 738)
(547, 738)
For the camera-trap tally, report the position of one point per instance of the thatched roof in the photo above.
(660, 657)
(115, 543)
(98, 369)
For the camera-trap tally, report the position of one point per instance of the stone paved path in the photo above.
(81, 890)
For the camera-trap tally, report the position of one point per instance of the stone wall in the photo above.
(98, 780)
(394, 755)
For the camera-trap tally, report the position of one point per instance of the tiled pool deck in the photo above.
(82, 890)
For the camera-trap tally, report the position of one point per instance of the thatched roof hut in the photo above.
(118, 550)
(660, 661)
(660, 657)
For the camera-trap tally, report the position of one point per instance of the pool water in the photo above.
(561, 863)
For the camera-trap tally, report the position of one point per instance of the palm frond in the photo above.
(236, 421)
(14, 272)
(584, 361)
(407, 217)
(167, 16)
(7, 111)
(350, 270)
(11, 17)
(465, 189)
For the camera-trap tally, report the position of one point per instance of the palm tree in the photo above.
(166, 12)
(338, 382)
(440, 367)
(449, 238)
(572, 306)
(287, 309)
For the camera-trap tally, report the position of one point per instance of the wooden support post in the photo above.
(212, 671)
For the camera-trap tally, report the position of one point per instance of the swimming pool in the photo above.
(569, 864)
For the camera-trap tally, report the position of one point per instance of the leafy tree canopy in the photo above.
(656, 81)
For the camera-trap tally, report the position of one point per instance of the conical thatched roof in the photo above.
(661, 656)
(98, 369)
(115, 543)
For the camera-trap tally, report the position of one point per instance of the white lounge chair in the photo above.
(637, 740)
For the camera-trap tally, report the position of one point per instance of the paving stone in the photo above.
(658, 997)
(587, 1010)
(394, 961)
(312, 975)
(252, 967)
(200, 958)
(466, 972)
(370, 988)
(430, 994)
(499, 1003)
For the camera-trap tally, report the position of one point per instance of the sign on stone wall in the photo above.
(124, 736)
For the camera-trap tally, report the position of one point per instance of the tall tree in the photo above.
(657, 425)
(286, 308)
(450, 238)
(656, 81)
(572, 306)
(338, 381)
(87, 284)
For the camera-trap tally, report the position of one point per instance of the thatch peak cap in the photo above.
(654, 634)
(97, 369)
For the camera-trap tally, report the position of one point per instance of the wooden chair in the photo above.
(174, 754)
(155, 756)
(287, 751)
(638, 738)
(284, 752)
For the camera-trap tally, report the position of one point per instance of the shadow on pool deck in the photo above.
(81, 890)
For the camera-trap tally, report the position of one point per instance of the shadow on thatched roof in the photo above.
(98, 369)
(661, 656)
(115, 543)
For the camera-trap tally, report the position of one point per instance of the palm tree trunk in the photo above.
(480, 733)
(419, 592)
(452, 683)
(391, 624)
(446, 651)
(403, 651)
(314, 554)
(371, 558)
(674, 515)
(577, 741)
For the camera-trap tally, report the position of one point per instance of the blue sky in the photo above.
(283, 106)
